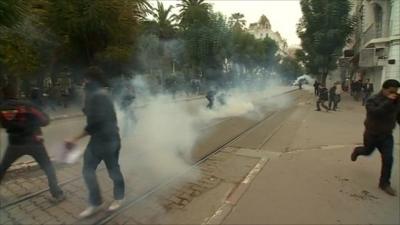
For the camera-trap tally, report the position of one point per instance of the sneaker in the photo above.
(116, 204)
(389, 190)
(89, 211)
(354, 155)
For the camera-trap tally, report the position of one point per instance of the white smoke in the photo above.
(307, 80)
(165, 132)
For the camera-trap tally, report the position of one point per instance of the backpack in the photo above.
(14, 116)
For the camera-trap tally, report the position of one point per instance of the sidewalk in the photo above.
(313, 181)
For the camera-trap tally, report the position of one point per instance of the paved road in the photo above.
(157, 150)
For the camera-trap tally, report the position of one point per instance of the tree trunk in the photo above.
(323, 78)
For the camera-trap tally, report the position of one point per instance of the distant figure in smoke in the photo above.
(23, 121)
(104, 144)
(339, 90)
(322, 98)
(357, 86)
(222, 99)
(36, 97)
(211, 98)
(300, 84)
(316, 87)
(367, 90)
(383, 111)
(332, 98)
(195, 84)
(352, 87)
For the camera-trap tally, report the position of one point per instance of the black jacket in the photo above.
(101, 119)
(23, 121)
(332, 92)
(323, 94)
(382, 114)
(211, 95)
(368, 88)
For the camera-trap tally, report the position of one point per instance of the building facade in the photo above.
(375, 43)
(263, 29)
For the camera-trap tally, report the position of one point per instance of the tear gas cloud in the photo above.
(159, 132)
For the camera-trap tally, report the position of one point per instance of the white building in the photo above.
(376, 41)
(262, 29)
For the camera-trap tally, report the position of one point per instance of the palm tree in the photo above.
(164, 21)
(237, 21)
(11, 12)
(193, 11)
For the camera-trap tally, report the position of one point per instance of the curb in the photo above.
(234, 196)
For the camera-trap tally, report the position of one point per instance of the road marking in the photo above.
(236, 193)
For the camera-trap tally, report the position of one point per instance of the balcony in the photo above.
(373, 34)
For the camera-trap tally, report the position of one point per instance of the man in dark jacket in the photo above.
(357, 89)
(367, 90)
(104, 144)
(316, 87)
(23, 121)
(210, 97)
(322, 98)
(333, 99)
(383, 110)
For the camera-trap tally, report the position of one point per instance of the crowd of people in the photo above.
(332, 96)
(358, 89)
(383, 111)
(23, 121)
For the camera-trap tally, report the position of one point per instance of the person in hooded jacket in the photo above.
(104, 144)
(383, 111)
(23, 121)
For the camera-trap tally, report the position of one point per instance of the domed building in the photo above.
(263, 29)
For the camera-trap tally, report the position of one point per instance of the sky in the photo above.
(282, 14)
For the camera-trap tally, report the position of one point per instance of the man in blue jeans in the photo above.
(104, 144)
(383, 110)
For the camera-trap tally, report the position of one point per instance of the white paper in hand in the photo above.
(69, 155)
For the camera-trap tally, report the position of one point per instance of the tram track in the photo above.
(107, 217)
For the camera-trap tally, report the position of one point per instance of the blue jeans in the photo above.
(108, 152)
(385, 146)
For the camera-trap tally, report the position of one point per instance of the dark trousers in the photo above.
(38, 152)
(316, 91)
(333, 101)
(210, 103)
(385, 146)
(322, 103)
(108, 152)
(357, 95)
(365, 97)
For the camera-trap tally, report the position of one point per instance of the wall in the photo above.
(393, 70)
